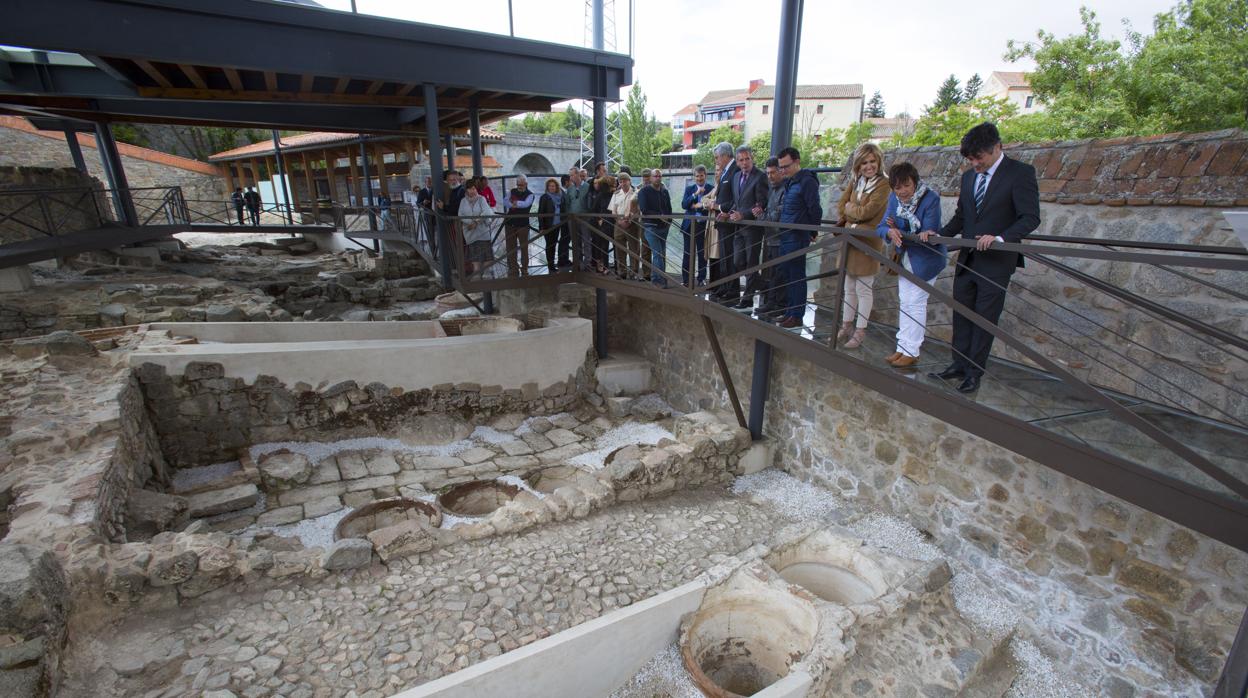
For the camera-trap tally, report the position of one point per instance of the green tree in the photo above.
(949, 94)
(1192, 73)
(971, 91)
(948, 127)
(875, 107)
(719, 135)
(639, 147)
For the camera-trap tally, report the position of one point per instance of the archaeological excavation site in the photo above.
(275, 421)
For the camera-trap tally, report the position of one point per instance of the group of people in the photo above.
(618, 228)
(249, 200)
(999, 202)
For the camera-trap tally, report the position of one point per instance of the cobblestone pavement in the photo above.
(383, 629)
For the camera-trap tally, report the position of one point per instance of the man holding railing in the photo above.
(999, 202)
(799, 205)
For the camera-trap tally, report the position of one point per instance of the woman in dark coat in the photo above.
(600, 202)
(550, 217)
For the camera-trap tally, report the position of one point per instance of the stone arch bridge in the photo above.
(521, 153)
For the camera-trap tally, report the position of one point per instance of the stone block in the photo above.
(346, 554)
(304, 495)
(280, 516)
(562, 437)
(369, 483)
(351, 465)
(1152, 581)
(517, 448)
(400, 540)
(472, 456)
(149, 513)
(321, 507)
(170, 567)
(15, 279)
(284, 469)
(216, 502)
(382, 464)
(759, 456)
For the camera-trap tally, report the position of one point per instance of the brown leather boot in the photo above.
(905, 361)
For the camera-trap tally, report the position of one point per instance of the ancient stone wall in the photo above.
(204, 417)
(28, 217)
(1169, 189)
(981, 503)
(22, 145)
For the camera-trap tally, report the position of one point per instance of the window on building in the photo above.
(819, 109)
(766, 107)
(797, 109)
(1029, 100)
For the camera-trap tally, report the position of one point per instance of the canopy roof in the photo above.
(257, 63)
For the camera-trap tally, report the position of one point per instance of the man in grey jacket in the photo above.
(772, 302)
(576, 200)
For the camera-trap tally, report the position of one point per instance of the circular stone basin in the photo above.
(387, 512)
(829, 582)
(547, 480)
(479, 498)
(746, 641)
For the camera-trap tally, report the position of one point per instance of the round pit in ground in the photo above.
(547, 480)
(747, 640)
(387, 512)
(478, 498)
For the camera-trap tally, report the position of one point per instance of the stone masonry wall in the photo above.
(1169, 189)
(29, 217)
(205, 417)
(1181, 591)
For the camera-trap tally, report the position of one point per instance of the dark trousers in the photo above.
(792, 275)
(746, 251)
(254, 213)
(769, 284)
(986, 296)
(516, 239)
(238, 208)
(727, 266)
(557, 242)
(698, 248)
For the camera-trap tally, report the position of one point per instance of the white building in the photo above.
(1014, 88)
(816, 108)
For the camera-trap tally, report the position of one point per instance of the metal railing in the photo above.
(37, 213)
(1166, 436)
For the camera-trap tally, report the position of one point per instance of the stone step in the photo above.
(624, 374)
(223, 501)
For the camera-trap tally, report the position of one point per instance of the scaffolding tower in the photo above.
(586, 107)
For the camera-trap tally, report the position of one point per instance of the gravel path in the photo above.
(379, 630)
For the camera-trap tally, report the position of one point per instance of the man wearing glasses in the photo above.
(800, 205)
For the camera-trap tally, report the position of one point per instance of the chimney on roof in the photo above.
(754, 85)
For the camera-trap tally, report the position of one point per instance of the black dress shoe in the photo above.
(951, 371)
(969, 385)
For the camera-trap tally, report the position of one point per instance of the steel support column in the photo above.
(474, 128)
(786, 75)
(75, 151)
(781, 137)
(368, 185)
(600, 155)
(450, 155)
(116, 174)
(435, 172)
(281, 173)
(478, 167)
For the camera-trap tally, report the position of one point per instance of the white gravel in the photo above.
(896, 536)
(527, 425)
(317, 451)
(313, 533)
(790, 497)
(983, 607)
(624, 435)
(519, 482)
(188, 478)
(663, 676)
(1037, 677)
(490, 435)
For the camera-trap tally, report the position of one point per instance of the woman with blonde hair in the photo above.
(862, 206)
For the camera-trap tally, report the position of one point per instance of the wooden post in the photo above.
(229, 179)
(255, 173)
(292, 188)
(381, 170)
(354, 185)
(308, 178)
(331, 167)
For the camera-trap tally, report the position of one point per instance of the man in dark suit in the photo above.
(724, 162)
(749, 202)
(694, 229)
(999, 202)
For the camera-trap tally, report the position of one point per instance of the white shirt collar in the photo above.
(993, 170)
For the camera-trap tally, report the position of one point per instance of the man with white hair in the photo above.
(726, 166)
(516, 230)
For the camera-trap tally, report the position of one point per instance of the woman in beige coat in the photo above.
(862, 206)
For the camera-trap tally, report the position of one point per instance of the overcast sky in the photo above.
(903, 48)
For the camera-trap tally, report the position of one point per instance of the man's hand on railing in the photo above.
(983, 242)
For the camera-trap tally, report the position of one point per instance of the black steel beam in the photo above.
(286, 38)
